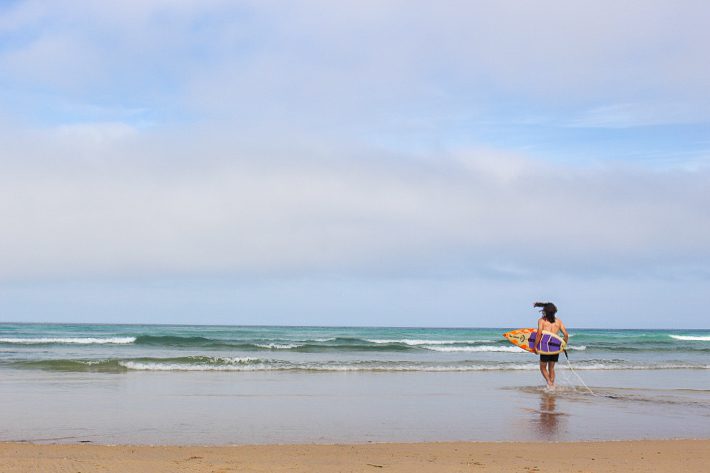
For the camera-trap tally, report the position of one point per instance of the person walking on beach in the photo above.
(550, 323)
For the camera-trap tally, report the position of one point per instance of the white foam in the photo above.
(406, 367)
(626, 366)
(70, 340)
(489, 348)
(234, 359)
(255, 364)
(695, 338)
(214, 364)
(482, 348)
(143, 366)
(428, 342)
(278, 346)
(157, 366)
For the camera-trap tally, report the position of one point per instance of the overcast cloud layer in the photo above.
(396, 162)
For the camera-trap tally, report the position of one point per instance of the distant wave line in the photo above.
(407, 341)
(699, 338)
(478, 349)
(70, 340)
(489, 348)
(669, 343)
(279, 346)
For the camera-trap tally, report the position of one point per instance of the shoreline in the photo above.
(60, 442)
(688, 455)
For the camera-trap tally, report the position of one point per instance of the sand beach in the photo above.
(688, 456)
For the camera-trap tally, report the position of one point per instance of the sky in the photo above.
(356, 163)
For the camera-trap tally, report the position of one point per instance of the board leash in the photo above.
(578, 376)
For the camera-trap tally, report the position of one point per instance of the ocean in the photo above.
(121, 348)
(249, 384)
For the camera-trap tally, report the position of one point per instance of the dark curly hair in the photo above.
(548, 310)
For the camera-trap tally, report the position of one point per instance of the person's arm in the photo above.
(564, 331)
(538, 337)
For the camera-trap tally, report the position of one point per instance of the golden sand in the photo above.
(678, 456)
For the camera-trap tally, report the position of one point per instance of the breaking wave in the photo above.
(701, 338)
(69, 341)
(237, 364)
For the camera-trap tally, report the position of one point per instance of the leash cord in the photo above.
(569, 365)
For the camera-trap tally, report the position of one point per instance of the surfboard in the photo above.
(551, 344)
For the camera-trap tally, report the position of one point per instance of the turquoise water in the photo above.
(122, 348)
(224, 385)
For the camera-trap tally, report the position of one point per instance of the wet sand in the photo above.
(345, 408)
(688, 456)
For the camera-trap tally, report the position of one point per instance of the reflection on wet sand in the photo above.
(612, 411)
(549, 419)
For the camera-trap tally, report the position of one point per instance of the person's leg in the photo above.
(543, 370)
(551, 372)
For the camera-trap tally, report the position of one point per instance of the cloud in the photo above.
(360, 65)
(336, 65)
(630, 115)
(41, 61)
(113, 201)
(94, 137)
(264, 155)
